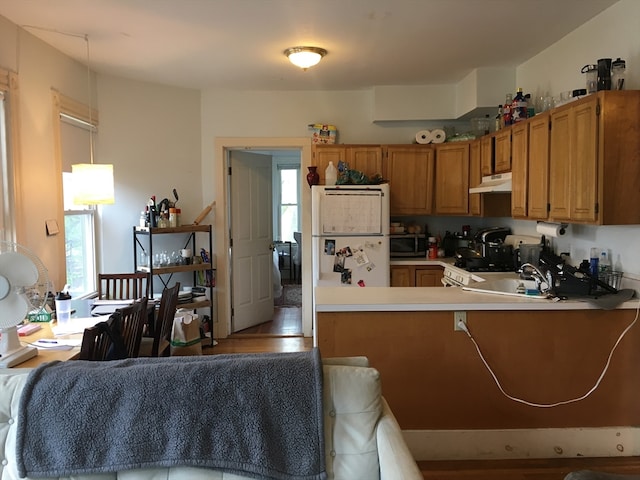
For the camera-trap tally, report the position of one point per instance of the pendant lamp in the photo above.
(93, 183)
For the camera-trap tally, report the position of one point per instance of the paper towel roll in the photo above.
(423, 137)
(551, 229)
(438, 136)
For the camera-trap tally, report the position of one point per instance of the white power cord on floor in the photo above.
(563, 402)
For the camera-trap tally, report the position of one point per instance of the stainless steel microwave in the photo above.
(408, 245)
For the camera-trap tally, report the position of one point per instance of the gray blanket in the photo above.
(258, 415)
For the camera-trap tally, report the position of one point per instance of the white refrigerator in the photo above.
(350, 235)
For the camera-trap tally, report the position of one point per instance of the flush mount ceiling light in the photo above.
(305, 57)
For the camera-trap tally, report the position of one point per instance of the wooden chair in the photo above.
(158, 345)
(97, 341)
(132, 322)
(123, 286)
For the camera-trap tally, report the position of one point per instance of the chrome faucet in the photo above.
(543, 279)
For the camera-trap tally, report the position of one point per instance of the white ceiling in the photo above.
(239, 43)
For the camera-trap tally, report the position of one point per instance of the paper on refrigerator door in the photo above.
(355, 213)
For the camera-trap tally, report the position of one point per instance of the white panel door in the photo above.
(251, 233)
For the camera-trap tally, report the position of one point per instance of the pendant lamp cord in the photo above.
(86, 38)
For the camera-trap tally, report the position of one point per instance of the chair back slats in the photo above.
(117, 337)
(133, 319)
(164, 321)
(96, 341)
(123, 286)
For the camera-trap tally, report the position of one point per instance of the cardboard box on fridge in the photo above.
(323, 133)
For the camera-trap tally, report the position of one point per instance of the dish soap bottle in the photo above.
(330, 174)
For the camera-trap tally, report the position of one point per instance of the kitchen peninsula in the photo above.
(541, 351)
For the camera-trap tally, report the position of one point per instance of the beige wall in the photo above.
(40, 69)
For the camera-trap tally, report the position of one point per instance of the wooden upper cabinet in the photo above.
(323, 154)
(538, 171)
(520, 169)
(475, 176)
(364, 158)
(502, 151)
(452, 179)
(573, 191)
(487, 154)
(559, 164)
(594, 160)
(409, 170)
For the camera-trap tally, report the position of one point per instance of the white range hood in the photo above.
(498, 183)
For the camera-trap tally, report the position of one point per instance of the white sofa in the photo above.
(362, 438)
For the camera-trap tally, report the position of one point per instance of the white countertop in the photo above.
(398, 299)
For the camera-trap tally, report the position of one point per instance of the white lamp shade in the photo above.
(305, 59)
(93, 184)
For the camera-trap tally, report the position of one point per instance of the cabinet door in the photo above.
(409, 170)
(402, 276)
(366, 159)
(323, 154)
(502, 151)
(520, 169)
(538, 171)
(559, 161)
(487, 154)
(452, 179)
(584, 162)
(475, 176)
(429, 276)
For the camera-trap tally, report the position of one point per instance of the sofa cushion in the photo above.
(352, 407)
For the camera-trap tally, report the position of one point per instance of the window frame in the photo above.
(11, 224)
(64, 109)
(278, 189)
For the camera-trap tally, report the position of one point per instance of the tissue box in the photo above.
(323, 133)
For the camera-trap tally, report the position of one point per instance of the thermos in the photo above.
(604, 74)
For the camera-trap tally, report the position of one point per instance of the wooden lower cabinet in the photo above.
(416, 275)
(433, 378)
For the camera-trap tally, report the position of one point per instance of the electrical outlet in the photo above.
(458, 319)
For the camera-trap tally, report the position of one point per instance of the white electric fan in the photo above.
(24, 286)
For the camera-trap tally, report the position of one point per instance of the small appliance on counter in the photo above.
(408, 245)
(453, 241)
(488, 252)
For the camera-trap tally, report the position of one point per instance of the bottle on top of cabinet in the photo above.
(330, 174)
(506, 111)
(519, 107)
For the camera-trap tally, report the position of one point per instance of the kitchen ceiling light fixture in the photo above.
(305, 57)
(92, 183)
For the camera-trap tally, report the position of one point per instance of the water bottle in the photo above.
(593, 266)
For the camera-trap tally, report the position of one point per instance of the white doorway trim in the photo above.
(222, 327)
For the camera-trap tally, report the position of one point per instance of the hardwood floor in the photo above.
(282, 334)
(287, 322)
(528, 469)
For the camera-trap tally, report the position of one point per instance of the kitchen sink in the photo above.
(515, 287)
